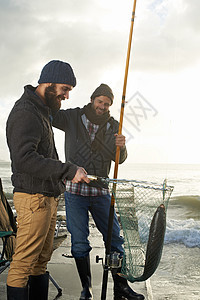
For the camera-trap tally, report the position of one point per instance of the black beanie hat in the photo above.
(103, 90)
(57, 71)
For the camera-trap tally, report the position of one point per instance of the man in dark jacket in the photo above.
(38, 179)
(90, 141)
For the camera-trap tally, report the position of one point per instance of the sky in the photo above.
(161, 117)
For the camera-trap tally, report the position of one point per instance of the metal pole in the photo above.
(111, 214)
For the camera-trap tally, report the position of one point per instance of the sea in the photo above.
(183, 214)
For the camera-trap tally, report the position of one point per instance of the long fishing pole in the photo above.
(111, 213)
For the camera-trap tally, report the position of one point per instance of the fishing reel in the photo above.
(112, 260)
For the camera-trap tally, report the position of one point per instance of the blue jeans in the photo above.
(77, 208)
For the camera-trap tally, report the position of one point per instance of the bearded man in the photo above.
(38, 178)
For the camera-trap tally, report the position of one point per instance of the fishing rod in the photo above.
(111, 213)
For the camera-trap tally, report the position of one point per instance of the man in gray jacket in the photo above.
(91, 137)
(38, 179)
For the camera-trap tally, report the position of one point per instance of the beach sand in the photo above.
(177, 276)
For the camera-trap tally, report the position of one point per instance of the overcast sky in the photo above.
(161, 120)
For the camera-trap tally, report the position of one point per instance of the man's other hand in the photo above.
(120, 140)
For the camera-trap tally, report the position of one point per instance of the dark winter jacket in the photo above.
(34, 160)
(78, 146)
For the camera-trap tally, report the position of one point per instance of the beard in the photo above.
(53, 101)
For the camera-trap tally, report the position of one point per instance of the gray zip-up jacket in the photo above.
(78, 145)
(34, 160)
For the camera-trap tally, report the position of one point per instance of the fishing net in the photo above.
(142, 214)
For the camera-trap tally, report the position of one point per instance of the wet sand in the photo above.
(177, 277)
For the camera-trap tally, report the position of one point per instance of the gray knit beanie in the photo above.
(57, 71)
(103, 90)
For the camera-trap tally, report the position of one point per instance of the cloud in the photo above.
(92, 35)
(36, 33)
(167, 35)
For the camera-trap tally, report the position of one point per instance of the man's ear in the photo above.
(45, 85)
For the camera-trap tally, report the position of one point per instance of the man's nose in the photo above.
(66, 95)
(102, 105)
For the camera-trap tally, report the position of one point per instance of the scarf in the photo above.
(101, 120)
(91, 115)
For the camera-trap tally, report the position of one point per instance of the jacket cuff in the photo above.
(71, 171)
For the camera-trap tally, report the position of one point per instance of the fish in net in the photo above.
(142, 210)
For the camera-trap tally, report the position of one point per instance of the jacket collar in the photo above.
(29, 93)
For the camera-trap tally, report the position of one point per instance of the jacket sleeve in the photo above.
(61, 119)
(24, 134)
(123, 155)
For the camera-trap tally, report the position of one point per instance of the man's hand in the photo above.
(80, 176)
(120, 140)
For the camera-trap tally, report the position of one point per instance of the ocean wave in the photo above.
(192, 201)
(185, 232)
